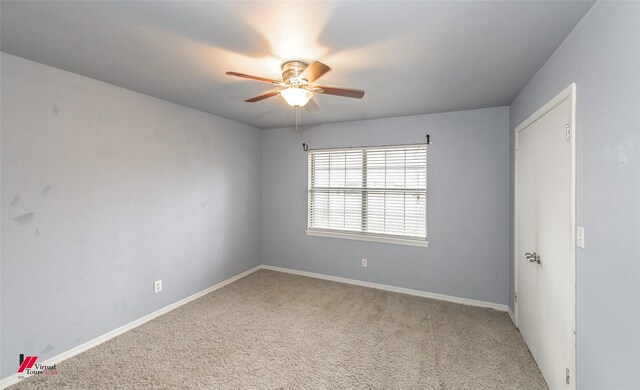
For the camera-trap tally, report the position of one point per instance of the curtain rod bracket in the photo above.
(305, 147)
(428, 139)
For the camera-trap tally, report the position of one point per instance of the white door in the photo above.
(545, 252)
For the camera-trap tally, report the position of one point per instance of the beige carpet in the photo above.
(275, 330)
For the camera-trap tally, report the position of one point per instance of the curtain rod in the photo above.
(305, 146)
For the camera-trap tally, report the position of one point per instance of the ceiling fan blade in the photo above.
(255, 78)
(314, 71)
(262, 97)
(312, 106)
(346, 92)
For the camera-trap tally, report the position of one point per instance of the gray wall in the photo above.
(467, 210)
(104, 191)
(602, 55)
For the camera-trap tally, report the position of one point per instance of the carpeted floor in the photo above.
(274, 330)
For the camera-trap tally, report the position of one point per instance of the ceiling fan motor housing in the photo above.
(291, 70)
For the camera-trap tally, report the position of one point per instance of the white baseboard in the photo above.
(512, 316)
(385, 287)
(10, 380)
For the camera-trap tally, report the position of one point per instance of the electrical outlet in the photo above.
(364, 263)
(157, 286)
(580, 237)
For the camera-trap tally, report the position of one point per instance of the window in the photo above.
(369, 193)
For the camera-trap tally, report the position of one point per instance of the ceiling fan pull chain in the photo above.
(297, 117)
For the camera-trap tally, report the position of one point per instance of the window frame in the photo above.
(365, 236)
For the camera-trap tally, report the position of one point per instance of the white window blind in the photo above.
(369, 192)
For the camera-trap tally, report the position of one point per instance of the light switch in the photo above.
(580, 237)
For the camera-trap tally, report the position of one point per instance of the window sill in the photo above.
(385, 240)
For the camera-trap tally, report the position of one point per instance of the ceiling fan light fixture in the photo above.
(296, 97)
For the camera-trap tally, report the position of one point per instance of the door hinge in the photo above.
(515, 297)
(568, 130)
(568, 376)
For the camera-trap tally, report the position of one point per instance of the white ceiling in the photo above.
(410, 57)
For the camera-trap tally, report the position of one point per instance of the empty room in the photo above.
(320, 195)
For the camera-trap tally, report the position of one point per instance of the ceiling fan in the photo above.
(295, 87)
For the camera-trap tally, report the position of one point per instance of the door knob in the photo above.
(532, 257)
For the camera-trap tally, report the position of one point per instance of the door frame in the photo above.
(569, 93)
